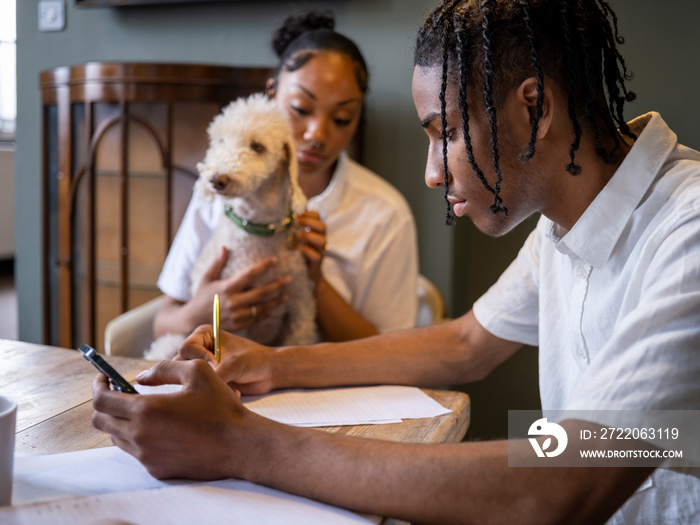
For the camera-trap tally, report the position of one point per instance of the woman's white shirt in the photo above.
(372, 257)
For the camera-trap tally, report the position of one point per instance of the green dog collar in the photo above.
(254, 228)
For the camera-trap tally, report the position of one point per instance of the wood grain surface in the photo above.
(52, 387)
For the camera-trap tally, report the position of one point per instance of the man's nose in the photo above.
(435, 168)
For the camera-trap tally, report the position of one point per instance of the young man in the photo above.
(522, 102)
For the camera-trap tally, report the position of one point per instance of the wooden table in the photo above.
(52, 388)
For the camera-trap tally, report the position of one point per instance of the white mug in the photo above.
(8, 413)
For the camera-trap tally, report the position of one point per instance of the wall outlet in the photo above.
(52, 15)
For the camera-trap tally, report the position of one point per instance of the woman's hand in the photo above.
(311, 233)
(245, 366)
(240, 305)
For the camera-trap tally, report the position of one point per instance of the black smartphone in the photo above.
(118, 382)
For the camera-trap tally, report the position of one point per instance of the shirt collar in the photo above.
(597, 231)
(327, 201)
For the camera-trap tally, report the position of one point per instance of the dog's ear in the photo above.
(298, 199)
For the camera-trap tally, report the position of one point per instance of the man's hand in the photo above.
(245, 365)
(187, 434)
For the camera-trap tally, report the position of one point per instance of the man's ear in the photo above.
(270, 88)
(528, 94)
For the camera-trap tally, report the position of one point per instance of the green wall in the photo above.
(661, 48)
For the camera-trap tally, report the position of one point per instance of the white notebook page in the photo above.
(337, 406)
(91, 485)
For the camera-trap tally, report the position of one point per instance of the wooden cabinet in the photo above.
(120, 145)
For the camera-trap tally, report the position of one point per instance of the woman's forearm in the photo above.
(337, 320)
(175, 317)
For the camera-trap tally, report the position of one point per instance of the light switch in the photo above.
(52, 15)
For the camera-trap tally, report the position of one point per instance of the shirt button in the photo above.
(580, 353)
(581, 272)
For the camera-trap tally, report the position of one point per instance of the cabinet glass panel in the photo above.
(121, 145)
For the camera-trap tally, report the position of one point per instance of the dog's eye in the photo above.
(257, 147)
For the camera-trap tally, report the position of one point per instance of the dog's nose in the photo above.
(219, 182)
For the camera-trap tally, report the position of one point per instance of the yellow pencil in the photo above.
(217, 330)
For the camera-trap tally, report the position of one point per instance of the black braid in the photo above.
(497, 205)
(607, 10)
(615, 80)
(464, 68)
(495, 45)
(571, 76)
(591, 107)
(540, 82)
(628, 95)
(447, 29)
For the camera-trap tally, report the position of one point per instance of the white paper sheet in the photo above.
(83, 473)
(337, 406)
(109, 483)
(99, 478)
(183, 505)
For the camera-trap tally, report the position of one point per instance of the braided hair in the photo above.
(299, 37)
(494, 45)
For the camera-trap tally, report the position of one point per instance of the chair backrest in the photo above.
(130, 333)
(431, 305)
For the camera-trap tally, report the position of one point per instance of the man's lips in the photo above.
(458, 206)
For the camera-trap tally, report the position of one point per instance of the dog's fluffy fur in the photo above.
(251, 165)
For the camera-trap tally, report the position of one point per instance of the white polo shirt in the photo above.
(614, 303)
(372, 260)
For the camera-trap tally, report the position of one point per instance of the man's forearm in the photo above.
(204, 432)
(449, 483)
(454, 352)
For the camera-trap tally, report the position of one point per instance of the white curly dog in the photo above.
(251, 169)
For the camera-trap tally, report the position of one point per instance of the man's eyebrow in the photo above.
(425, 123)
